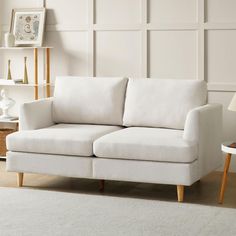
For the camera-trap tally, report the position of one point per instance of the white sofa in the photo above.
(142, 130)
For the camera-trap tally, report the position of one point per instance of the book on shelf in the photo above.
(11, 82)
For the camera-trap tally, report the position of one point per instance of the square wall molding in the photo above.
(220, 11)
(118, 11)
(69, 13)
(173, 54)
(118, 53)
(220, 56)
(172, 11)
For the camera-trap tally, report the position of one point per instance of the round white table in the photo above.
(229, 151)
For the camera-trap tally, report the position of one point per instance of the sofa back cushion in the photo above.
(162, 102)
(89, 100)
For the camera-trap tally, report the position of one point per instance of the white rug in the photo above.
(37, 212)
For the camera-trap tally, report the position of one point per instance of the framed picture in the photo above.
(27, 25)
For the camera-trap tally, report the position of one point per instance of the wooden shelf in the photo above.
(23, 85)
(23, 48)
(9, 121)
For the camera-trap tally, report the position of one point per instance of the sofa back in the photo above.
(89, 100)
(162, 102)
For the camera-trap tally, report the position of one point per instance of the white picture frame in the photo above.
(27, 25)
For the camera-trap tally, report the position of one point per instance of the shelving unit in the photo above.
(36, 84)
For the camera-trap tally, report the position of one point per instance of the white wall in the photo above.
(180, 39)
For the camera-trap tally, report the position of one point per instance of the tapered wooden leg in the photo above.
(20, 177)
(101, 185)
(224, 178)
(180, 193)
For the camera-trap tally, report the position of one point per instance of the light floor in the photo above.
(204, 192)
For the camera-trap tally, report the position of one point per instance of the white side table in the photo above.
(229, 151)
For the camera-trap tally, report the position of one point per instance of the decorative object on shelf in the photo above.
(18, 81)
(25, 80)
(9, 40)
(9, 37)
(5, 104)
(27, 25)
(9, 70)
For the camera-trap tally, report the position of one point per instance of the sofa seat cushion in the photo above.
(151, 144)
(66, 139)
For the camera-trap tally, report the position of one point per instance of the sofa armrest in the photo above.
(204, 127)
(36, 114)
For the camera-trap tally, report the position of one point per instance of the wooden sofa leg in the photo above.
(101, 185)
(20, 177)
(180, 193)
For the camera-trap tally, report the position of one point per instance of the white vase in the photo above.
(9, 40)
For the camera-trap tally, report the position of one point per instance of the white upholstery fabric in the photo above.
(71, 166)
(153, 144)
(204, 126)
(146, 171)
(36, 114)
(65, 139)
(89, 100)
(162, 102)
(142, 154)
